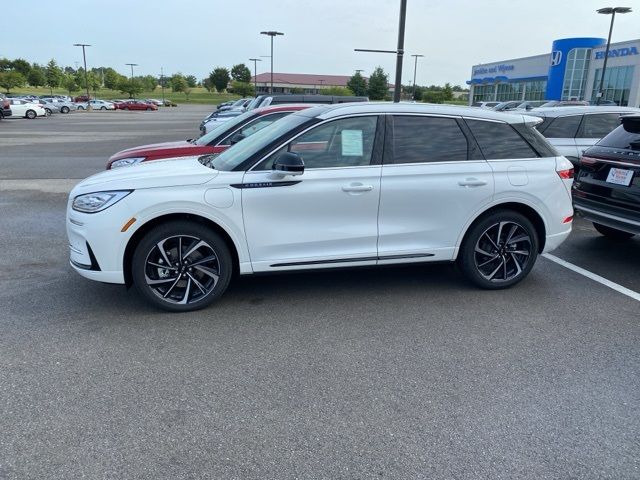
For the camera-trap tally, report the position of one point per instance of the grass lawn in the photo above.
(197, 95)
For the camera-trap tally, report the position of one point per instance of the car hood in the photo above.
(143, 150)
(160, 173)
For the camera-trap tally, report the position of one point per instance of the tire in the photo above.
(31, 114)
(125, 108)
(103, 108)
(149, 109)
(194, 287)
(612, 233)
(64, 110)
(80, 108)
(49, 112)
(490, 258)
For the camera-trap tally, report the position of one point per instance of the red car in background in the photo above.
(135, 105)
(214, 142)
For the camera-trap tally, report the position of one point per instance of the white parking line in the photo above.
(593, 276)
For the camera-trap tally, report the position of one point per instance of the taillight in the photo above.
(566, 174)
(568, 219)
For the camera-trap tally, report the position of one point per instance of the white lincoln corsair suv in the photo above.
(331, 186)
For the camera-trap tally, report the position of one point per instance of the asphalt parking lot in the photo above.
(403, 372)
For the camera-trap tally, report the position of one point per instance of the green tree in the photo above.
(358, 85)
(241, 73)
(69, 83)
(36, 77)
(432, 96)
(11, 79)
(111, 78)
(177, 82)
(191, 81)
(5, 64)
(95, 82)
(130, 86)
(337, 91)
(22, 66)
(186, 90)
(208, 84)
(53, 75)
(243, 89)
(378, 84)
(220, 78)
(447, 92)
(149, 82)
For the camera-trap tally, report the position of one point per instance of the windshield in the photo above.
(241, 151)
(223, 127)
(253, 104)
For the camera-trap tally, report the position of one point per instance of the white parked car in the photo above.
(96, 105)
(574, 129)
(331, 186)
(24, 108)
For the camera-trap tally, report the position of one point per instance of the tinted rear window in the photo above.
(621, 138)
(499, 140)
(563, 127)
(427, 139)
(599, 125)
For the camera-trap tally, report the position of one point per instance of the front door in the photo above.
(328, 215)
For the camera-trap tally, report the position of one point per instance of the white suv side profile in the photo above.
(332, 186)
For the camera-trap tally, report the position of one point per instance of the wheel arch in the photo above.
(154, 222)
(522, 208)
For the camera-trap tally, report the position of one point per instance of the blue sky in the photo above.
(195, 36)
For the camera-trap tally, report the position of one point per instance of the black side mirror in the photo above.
(288, 163)
(238, 137)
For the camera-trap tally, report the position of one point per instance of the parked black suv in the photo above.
(607, 188)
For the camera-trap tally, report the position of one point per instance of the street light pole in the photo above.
(132, 65)
(415, 68)
(273, 33)
(162, 83)
(612, 12)
(255, 74)
(399, 51)
(86, 79)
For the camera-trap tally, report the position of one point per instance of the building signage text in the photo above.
(495, 69)
(618, 52)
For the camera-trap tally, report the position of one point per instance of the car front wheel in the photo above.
(181, 266)
(612, 233)
(31, 114)
(64, 110)
(499, 250)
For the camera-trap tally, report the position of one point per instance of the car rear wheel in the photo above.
(103, 108)
(612, 233)
(181, 266)
(31, 114)
(499, 250)
(64, 110)
(80, 107)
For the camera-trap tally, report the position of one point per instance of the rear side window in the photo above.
(599, 125)
(499, 140)
(427, 139)
(563, 127)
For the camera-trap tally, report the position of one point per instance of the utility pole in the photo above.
(86, 79)
(255, 73)
(132, 65)
(415, 68)
(162, 84)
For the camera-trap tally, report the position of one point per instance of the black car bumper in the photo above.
(612, 216)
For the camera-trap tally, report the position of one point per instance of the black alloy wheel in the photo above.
(182, 266)
(499, 250)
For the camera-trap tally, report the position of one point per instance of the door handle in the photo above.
(472, 182)
(357, 188)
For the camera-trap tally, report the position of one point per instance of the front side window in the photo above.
(499, 140)
(347, 142)
(427, 139)
(563, 127)
(599, 125)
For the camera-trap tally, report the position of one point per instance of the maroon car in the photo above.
(135, 105)
(214, 142)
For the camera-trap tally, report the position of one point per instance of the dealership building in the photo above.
(571, 71)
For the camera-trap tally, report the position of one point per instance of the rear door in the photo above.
(433, 180)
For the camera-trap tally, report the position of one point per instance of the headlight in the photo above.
(98, 201)
(127, 162)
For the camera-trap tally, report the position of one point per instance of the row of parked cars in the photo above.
(297, 186)
(31, 106)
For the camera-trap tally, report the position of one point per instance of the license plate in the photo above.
(620, 176)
